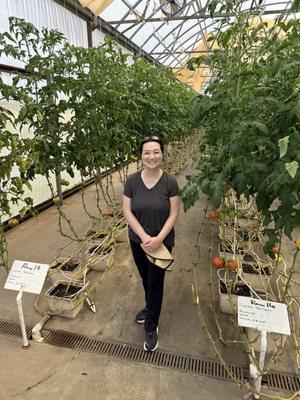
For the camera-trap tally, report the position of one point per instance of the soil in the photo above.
(255, 269)
(249, 258)
(239, 289)
(68, 267)
(60, 290)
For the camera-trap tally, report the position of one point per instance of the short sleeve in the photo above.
(173, 187)
(128, 188)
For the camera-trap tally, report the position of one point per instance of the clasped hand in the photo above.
(152, 243)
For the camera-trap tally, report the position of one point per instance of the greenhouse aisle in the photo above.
(117, 299)
(56, 373)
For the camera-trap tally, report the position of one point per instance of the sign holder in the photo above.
(265, 317)
(262, 356)
(26, 345)
(25, 276)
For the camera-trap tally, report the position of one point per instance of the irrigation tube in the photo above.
(36, 330)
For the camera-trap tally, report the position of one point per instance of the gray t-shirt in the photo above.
(151, 207)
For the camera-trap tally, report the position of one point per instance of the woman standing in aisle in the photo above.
(151, 206)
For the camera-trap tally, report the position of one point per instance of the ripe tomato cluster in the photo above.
(219, 262)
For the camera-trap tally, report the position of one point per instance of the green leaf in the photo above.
(297, 109)
(70, 172)
(260, 126)
(283, 145)
(212, 6)
(275, 64)
(292, 168)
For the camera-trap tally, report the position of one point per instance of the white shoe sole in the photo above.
(152, 349)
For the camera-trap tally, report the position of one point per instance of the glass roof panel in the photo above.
(171, 34)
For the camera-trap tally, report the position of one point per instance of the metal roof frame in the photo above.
(186, 35)
(170, 53)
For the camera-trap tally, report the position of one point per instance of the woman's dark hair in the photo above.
(148, 139)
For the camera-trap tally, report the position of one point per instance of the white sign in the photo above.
(27, 275)
(263, 315)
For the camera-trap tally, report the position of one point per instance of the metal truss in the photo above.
(172, 40)
(173, 53)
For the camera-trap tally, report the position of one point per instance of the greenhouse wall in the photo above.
(49, 14)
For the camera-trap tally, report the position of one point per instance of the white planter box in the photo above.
(260, 280)
(99, 262)
(228, 302)
(225, 251)
(67, 307)
(61, 270)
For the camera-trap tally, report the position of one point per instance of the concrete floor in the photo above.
(56, 373)
(44, 370)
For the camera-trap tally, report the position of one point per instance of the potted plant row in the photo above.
(68, 275)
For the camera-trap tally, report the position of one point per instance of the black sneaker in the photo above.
(151, 341)
(141, 316)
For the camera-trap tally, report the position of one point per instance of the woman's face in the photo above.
(152, 155)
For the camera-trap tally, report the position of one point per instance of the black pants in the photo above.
(153, 281)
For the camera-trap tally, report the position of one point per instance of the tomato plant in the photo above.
(252, 119)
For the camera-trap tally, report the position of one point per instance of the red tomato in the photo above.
(218, 262)
(214, 214)
(231, 265)
(275, 250)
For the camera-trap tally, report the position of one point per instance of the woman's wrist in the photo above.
(160, 237)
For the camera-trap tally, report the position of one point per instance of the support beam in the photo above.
(160, 53)
(189, 17)
(89, 27)
(75, 7)
(9, 69)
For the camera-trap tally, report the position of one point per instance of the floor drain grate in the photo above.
(165, 359)
(282, 380)
(12, 329)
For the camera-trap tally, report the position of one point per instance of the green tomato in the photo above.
(64, 182)
(56, 200)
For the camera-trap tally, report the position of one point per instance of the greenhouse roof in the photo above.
(172, 30)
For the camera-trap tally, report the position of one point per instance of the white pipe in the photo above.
(36, 330)
(26, 345)
(263, 348)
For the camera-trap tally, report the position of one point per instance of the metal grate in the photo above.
(281, 380)
(165, 359)
(12, 329)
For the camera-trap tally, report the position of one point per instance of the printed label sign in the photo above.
(29, 275)
(263, 315)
